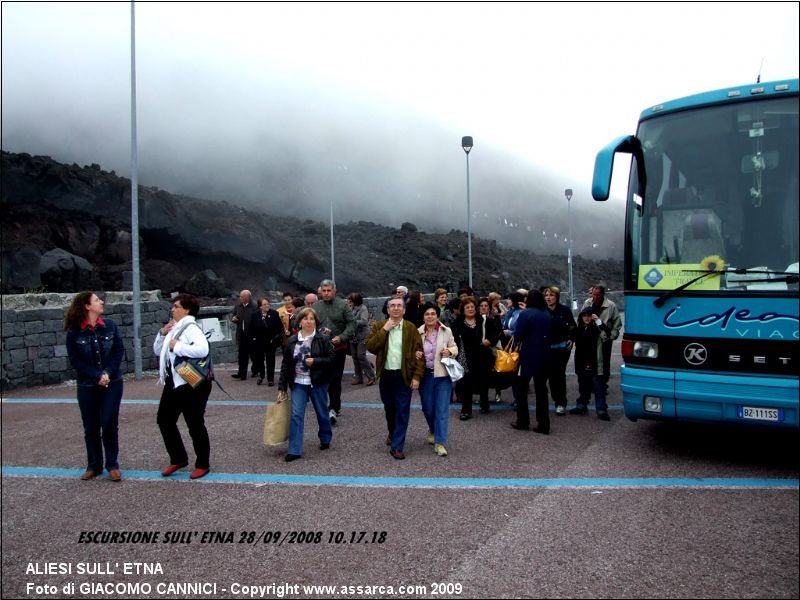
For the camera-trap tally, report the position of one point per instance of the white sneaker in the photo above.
(440, 450)
(332, 415)
(561, 411)
(497, 398)
(429, 437)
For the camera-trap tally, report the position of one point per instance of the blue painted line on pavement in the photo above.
(435, 482)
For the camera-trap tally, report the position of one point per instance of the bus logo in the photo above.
(695, 354)
(653, 277)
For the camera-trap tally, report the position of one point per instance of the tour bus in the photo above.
(711, 257)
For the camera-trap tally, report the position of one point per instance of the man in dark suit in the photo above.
(242, 315)
(532, 332)
(266, 335)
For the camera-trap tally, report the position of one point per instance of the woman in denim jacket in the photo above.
(95, 350)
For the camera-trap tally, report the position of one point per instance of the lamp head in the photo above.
(466, 143)
(568, 194)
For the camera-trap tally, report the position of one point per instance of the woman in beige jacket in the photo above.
(436, 387)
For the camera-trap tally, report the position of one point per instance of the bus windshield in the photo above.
(721, 198)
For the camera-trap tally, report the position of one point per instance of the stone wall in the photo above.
(34, 350)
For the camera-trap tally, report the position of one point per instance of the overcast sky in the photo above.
(340, 90)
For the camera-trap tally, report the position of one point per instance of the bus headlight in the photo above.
(645, 349)
(653, 404)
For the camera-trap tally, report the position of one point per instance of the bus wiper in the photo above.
(658, 302)
(791, 276)
(764, 271)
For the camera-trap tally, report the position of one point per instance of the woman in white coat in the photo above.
(182, 338)
(436, 388)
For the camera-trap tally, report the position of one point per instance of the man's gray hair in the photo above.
(327, 282)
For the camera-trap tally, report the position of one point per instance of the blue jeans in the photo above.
(592, 383)
(319, 399)
(396, 398)
(100, 413)
(435, 393)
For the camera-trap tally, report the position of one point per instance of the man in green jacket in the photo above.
(337, 322)
(395, 343)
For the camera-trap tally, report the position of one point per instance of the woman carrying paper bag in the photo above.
(306, 371)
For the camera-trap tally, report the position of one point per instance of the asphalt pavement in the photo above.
(596, 509)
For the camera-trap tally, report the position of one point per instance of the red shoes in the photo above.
(171, 469)
(198, 473)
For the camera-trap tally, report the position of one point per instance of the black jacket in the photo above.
(267, 330)
(480, 358)
(564, 326)
(586, 349)
(244, 312)
(321, 351)
(414, 314)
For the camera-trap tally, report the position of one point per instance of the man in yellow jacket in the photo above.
(395, 343)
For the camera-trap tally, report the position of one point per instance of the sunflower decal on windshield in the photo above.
(712, 263)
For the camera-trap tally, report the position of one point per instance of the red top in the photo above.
(86, 323)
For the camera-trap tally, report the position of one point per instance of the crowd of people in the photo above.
(317, 332)
(410, 341)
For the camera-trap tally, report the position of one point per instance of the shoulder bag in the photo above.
(194, 371)
(507, 360)
(454, 368)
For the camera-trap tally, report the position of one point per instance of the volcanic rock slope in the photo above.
(67, 227)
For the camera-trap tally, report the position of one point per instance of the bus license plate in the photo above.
(760, 414)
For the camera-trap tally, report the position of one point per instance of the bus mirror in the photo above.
(755, 163)
(604, 165)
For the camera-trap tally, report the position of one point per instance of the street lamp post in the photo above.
(466, 144)
(333, 268)
(568, 194)
(137, 295)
